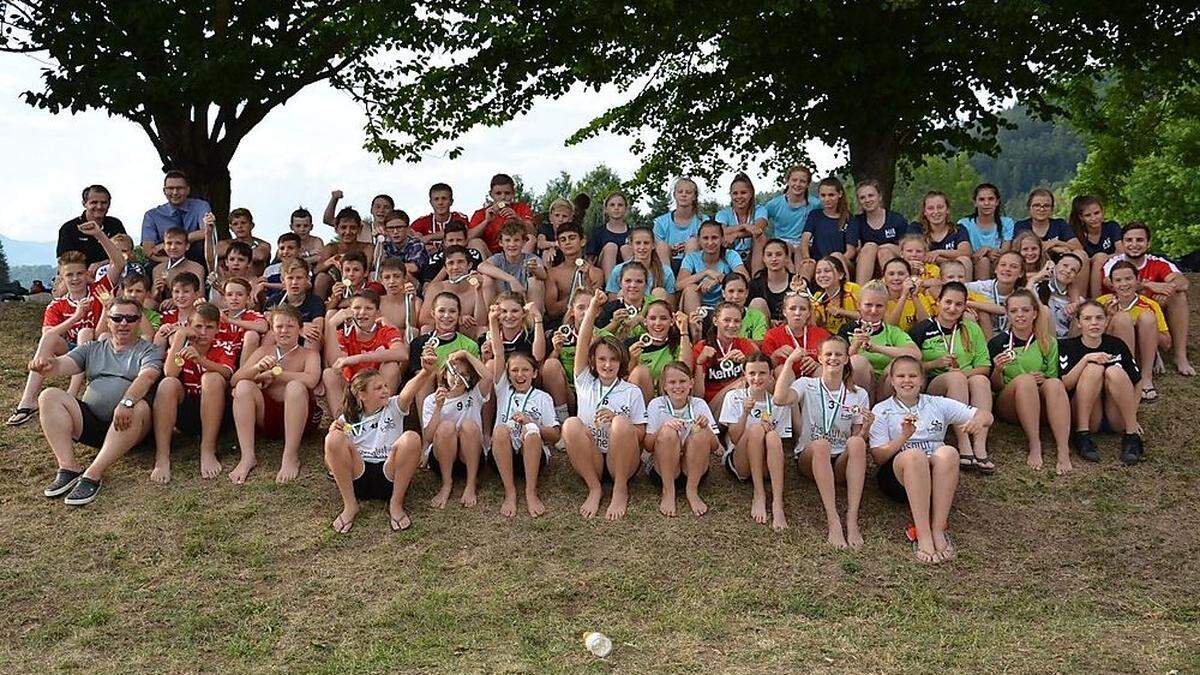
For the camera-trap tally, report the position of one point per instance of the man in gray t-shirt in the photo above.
(113, 414)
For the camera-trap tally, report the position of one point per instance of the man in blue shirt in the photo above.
(179, 211)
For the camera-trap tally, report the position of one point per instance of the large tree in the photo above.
(197, 76)
(709, 86)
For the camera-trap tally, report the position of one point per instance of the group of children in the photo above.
(789, 327)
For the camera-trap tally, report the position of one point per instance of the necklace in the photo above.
(830, 406)
(948, 344)
(601, 394)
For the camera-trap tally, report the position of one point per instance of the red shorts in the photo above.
(272, 423)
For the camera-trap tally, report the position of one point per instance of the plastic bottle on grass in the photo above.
(598, 644)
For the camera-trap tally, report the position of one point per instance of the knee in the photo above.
(212, 382)
(1024, 383)
(609, 249)
(1114, 374)
(573, 427)
(820, 450)
(470, 429)
(170, 385)
(1120, 320)
(621, 426)
(945, 456)
(856, 447)
(295, 388)
(51, 396)
(1093, 372)
(336, 444)
(445, 430)
(243, 388)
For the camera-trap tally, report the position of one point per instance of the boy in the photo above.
(242, 328)
(175, 248)
(399, 243)
(560, 213)
(191, 394)
(515, 270)
(357, 340)
(301, 225)
(273, 395)
(270, 289)
(561, 277)
(431, 228)
(296, 294)
(184, 291)
(455, 234)
(348, 225)
(132, 265)
(241, 226)
(136, 287)
(486, 222)
(82, 296)
(354, 279)
(400, 299)
(470, 288)
(238, 264)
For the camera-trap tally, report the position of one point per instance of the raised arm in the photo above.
(587, 326)
(784, 394)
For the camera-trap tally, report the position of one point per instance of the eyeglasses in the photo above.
(124, 318)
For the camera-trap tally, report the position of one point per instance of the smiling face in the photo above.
(1041, 207)
(1009, 266)
(633, 285)
(1021, 313)
(560, 216)
(457, 265)
(1124, 282)
(375, 394)
(511, 245)
(728, 322)
(1066, 270)
(288, 249)
(798, 182)
(827, 275)
(936, 210)
(758, 375)
(75, 275)
(235, 296)
(895, 275)
(365, 312)
(445, 315)
(735, 291)
(175, 190)
(871, 306)
(347, 229)
(183, 295)
(175, 245)
(1030, 250)
(511, 313)
(913, 251)
(740, 195)
(95, 205)
(951, 306)
(658, 320)
(907, 378)
(676, 384)
(123, 319)
(833, 356)
(710, 239)
(520, 370)
(606, 361)
(578, 307)
(1136, 242)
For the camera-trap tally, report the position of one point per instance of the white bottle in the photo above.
(598, 644)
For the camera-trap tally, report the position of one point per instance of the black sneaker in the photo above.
(84, 493)
(1132, 448)
(63, 482)
(1085, 446)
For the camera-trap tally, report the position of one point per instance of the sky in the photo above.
(300, 152)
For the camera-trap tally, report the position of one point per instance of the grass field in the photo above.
(1087, 573)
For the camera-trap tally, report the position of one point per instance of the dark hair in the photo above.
(569, 226)
(124, 300)
(711, 336)
(241, 212)
(999, 201)
(1122, 265)
(87, 191)
(1078, 204)
(287, 310)
(300, 212)
(187, 279)
(655, 261)
(734, 276)
(454, 226)
(243, 248)
(717, 224)
(456, 250)
(175, 231)
(207, 310)
(448, 296)
(910, 360)
(175, 173)
(368, 295)
(673, 334)
(388, 198)
(614, 343)
(135, 278)
(843, 207)
(502, 179)
(398, 214)
(758, 357)
(289, 236)
(355, 256)
(635, 266)
(956, 286)
(441, 187)
(348, 213)
(1136, 226)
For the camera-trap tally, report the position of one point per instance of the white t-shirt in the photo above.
(374, 436)
(780, 416)
(623, 398)
(990, 289)
(660, 410)
(935, 415)
(536, 403)
(459, 409)
(828, 414)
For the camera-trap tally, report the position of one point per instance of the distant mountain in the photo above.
(28, 252)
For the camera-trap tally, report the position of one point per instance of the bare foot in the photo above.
(508, 508)
(439, 500)
(616, 507)
(469, 500)
(778, 517)
(1184, 367)
(399, 519)
(345, 520)
(1035, 460)
(836, 539)
(210, 466)
(534, 505)
(592, 504)
(289, 468)
(758, 509)
(1064, 466)
(161, 474)
(666, 505)
(926, 556)
(698, 506)
(853, 536)
(242, 470)
(944, 545)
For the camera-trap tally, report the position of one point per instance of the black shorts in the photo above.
(459, 470)
(187, 415)
(94, 428)
(518, 460)
(888, 484)
(373, 483)
(652, 473)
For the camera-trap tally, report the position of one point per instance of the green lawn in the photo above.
(1093, 572)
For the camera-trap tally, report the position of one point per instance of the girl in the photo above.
(826, 231)
(789, 211)
(1099, 373)
(798, 334)
(702, 271)
(755, 428)
(681, 433)
(1025, 372)
(1029, 246)
(675, 231)
(773, 282)
(525, 426)
(874, 343)
(734, 289)
(558, 370)
(660, 281)
(518, 327)
(239, 324)
(603, 439)
(831, 445)
(369, 453)
(988, 231)
(453, 428)
(1054, 286)
(954, 354)
(1100, 239)
(744, 221)
(720, 358)
(665, 340)
(1055, 234)
(1138, 321)
(879, 231)
(609, 245)
(623, 313)
(915, 464)
(907, 304)
(835, 303)
(946, 241)
(1008, 277)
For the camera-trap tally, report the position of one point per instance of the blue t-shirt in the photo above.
(1059, 229)
(666, 275)
(726, 218)
(956, 236)
(894, 227)
(1110, 234)
(694, 262)
(827, 237)
(668, 231)
(991, 238)
(788, 220)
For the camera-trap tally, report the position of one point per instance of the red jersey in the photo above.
(234, 331)
(170, 316)
(424, 224)
(1154, 268)
(190, 372)
(810, 341)
(385, 337)
(61, 309)
(491, 233)
(368, 285)
(718, 376)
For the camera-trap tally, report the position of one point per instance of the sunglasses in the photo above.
(124, 318)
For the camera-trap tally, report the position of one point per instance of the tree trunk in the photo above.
(209, 180)
(873, 155)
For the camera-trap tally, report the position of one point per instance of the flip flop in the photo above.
(985, 466)
(1149, 394)
(340, 526)
(401, 524)
(967, 462)
(20, 416)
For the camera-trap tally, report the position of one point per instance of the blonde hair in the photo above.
(561, 204)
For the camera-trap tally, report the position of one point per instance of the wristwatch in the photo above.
(127, 402)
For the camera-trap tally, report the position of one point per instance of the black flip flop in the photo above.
(20, 416)
(967, 462)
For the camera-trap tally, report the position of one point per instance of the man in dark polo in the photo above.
(96, 201)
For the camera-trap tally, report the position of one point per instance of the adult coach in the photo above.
(96, 201)
(181, 210)
(113, 414)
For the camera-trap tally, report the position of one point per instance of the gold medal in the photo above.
(179, 361)
(473, 281)
(277, 371)
(104, 296)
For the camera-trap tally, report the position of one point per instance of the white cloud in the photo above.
(298, 154)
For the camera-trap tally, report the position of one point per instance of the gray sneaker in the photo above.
(63, 483)
(85, 492)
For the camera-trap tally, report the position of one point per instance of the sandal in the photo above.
(342, 526)
(20, 416)
(1149, 394)
(985, 466)
(967, 462)
(400, 524)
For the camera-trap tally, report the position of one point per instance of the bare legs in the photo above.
(851, 468)
(694, 453)
(1027, 402)
(930, 483)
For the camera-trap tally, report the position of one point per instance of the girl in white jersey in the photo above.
(525, 425)
(831, 445)
(603, 439)
(367, 450)
(679, 427)
(453, 428)
(908, 442)
(755, 428)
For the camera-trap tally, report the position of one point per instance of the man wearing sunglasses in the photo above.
(113, 414)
